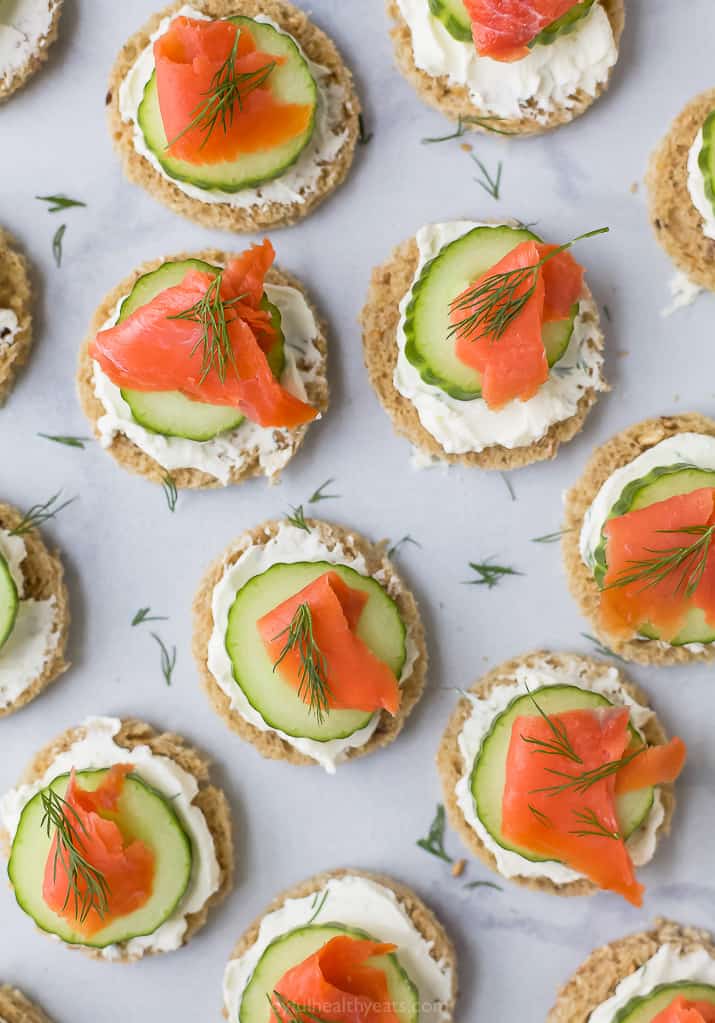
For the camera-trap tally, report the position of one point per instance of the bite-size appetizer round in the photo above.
(483, 344)
(15, 1007)
(558, 775)
(638, 541)
(208, 367)
(15, 312)
(117, 842)
(343, 945)
(515, 68)
(665, 975)
(239, 114)
(27, 30)
(309, 644)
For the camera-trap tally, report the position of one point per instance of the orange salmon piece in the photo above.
(502, 29)
(656, 765)
(683, 1011)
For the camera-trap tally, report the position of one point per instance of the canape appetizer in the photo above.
(666, 975)
(34, 611)
(343, 946)
(558, 775)
(16, 1008)
(238, 114)
(117, 843)
(681, 186)
(15, 310)
(516, 68)
(208, 367)
(309, 644)
(27, 30)
(638, 541)
(483, 344)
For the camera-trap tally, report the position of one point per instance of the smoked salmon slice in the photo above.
(354, 678)
(162, 347)
(191, 60)
(502, 29)
(647, 581)
(683, 1011)
(656, 765)
(339, 983)
(127, 867)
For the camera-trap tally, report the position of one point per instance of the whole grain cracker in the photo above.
(131, 457)
(36, 59)
(16, 1008)
(615, 453)
(268, 743)
(15, 294)
(317, 47)
(450, 763)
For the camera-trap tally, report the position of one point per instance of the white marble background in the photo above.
(123, 549)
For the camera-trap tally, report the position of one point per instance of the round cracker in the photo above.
(43, 574)
(441, 948)
(677, 224)
(210, 800)
(15, 294)
(380, 320)
(615, 453)
(317, 46)
(450, 763)
(268, 743)
(597, 979)
(36, 59)
(131, 457)
(16, 1008)
(455, 101)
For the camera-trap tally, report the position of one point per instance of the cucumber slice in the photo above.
(660, 484)
(380, 627)
(427, 325)
(291, 82)
(453, 15)
(9, 602)
(295, 947)
(143, 814)
(645, 1008)
(706, 159)
(170, 413)
(489, 772)
(562, 26)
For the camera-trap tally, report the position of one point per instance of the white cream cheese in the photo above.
(696, 187)
(9, 328)
(548, 79)
(465, 426)
(23, 27)
(97, 749)
(641, 845)
(230, 450)
(299, 182)
(668, 966)
(288, 546)
(34, 635)
(683, 292)
(365, 905)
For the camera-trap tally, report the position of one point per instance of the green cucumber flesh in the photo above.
(143, 814)
(455, 18)
(645, 1008)
(706, 159)
(295, 947)
(489, 772)
(427, 324)
(278, 703)
(290, 82)
(661, 484)
(568, 22)
(9, 602)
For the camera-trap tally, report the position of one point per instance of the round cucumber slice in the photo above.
(291, 82)
(143, 814)
(278, 703)
(562, 26)
(168, 275)
(645, 1008)
(706, 159)
(453, 15)
(295, 947)
(489, 772)
(9, 602)
(427, 324)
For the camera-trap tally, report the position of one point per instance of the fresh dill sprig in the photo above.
(545, 821)
(317, 906)
(581, 783)
(66, 439)
(87, 886)
(551, 537)
(471, 885)
(313, 686)
(689, 561)
(59, 202)
(214, 339)
(392, 551)
(491, 185)
(320, 495)
(288, 1011)
(560, 745)
(144, 615)
(168, 660)
(364, 137)
(40, 513)
(592, 826)
(297, 518)
(601, 648)
(509, 485)
(170, 492)
(434, 843)
(463, 124)
(488, 574)
(57, 244)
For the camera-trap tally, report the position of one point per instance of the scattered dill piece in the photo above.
(509, 485)
(59, 202)
(392, 551)
(68, 441)
(463, 124)
(320, 495)
(364, 137)
(434, 843)
(601, 648)
(490, 184)
(170, 492)
(57, 244)
(488, 574)
(297, 518)
(40, 513)
(144, 615)
(168, 660)
(551, 537)
(471, 885)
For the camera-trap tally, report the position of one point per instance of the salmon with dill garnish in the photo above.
(503, 29)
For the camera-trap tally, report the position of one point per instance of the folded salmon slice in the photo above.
(660, 598)
(128, 867)
(502, 29)
(656, 765)
(683, 1011)
(188, 58)
(340, 984)
(153, 350)
(355, 679)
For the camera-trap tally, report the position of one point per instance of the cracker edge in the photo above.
(16, 293)
(36, 59)
(15, 1007)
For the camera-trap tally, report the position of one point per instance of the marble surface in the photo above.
(123, 549)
